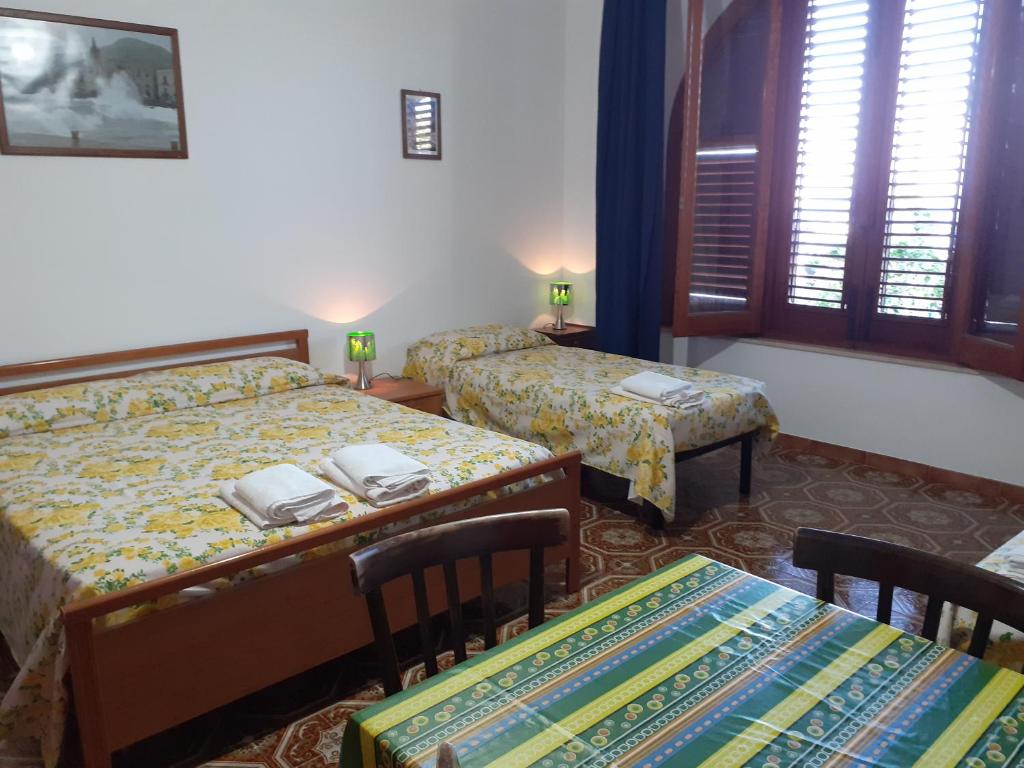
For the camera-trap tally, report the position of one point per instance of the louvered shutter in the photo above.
(937, 61)
(830, 110)
(421, 125)
(723, 228)
(988, 309)
(726, 150)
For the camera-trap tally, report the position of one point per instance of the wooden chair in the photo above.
(412, 553)
(446, 757)
(992, 596)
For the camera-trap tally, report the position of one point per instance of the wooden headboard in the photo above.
(293, 345)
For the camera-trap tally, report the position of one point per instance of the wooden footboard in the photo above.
(133, 680)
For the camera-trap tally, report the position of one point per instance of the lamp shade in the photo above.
(561, 293)
(361, 346)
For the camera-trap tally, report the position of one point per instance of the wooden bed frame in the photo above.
(133, 680)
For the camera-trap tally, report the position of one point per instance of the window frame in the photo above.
(1000, 356)
(725, 322)
(858, 324)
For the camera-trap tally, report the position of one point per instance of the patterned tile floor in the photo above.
(299, 724)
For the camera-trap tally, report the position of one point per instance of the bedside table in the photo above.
(582, 336)
(422, 397)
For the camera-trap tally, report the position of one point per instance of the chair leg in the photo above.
(746, 463)
(536, 599)
(391, 677)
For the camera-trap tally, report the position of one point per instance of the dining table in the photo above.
(701, 665)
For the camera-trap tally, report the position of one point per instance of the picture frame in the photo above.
(77, 86)
(421, 125)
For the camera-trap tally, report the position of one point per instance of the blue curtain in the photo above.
(630, 177)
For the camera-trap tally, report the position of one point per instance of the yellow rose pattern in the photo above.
(430, 358)
(560, 397)
(96, 402)
(91, 509)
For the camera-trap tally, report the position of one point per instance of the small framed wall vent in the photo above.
(421, 125)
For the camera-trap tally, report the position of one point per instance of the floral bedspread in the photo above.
(114, 483)
(560, 397)
(1006, 644)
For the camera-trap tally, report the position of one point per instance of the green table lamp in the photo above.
(361, 348)
(561, 297)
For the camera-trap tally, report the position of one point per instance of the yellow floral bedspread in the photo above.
(1006, 644)
(504, 380)
(115, 483)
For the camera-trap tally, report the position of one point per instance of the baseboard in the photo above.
(983, 485)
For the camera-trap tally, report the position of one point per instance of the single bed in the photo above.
(516, 381)
(120, 564)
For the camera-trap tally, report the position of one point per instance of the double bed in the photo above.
(516, 381)
(120, 564)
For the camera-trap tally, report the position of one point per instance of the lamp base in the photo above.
(362, 382)
(560, 318)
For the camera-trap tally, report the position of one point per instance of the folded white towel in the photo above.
(655, 386)
(661, 389)
(689, 400)
(282, 495)
(377, 473)
(228, 493)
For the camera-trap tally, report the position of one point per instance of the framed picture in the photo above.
(75, 86)
(421, 125)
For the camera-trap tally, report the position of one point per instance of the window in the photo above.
(1001, 280)
(897, 182)
(940, 41)
(724, 181)
(989, 311)
(421, 125)
(833, 81)
(882, 133)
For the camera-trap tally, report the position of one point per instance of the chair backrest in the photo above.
(412, 553)
(992, 596)
(446, 757)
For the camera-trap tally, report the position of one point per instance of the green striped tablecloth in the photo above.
(700, 664)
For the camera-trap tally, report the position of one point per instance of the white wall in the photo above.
(296, 208)
(941, 416)
(582, 50)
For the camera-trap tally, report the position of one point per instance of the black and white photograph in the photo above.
(72, 86)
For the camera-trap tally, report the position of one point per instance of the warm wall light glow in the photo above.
(541, 263)
(343, 312)
(344, 302)
(579, 261)
(552, 265)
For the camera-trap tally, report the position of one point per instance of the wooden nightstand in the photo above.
(422, 397)
(583, 336)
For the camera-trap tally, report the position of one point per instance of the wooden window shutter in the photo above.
(830, 116)
(725, 162)
(988, 314)
(929, 147)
